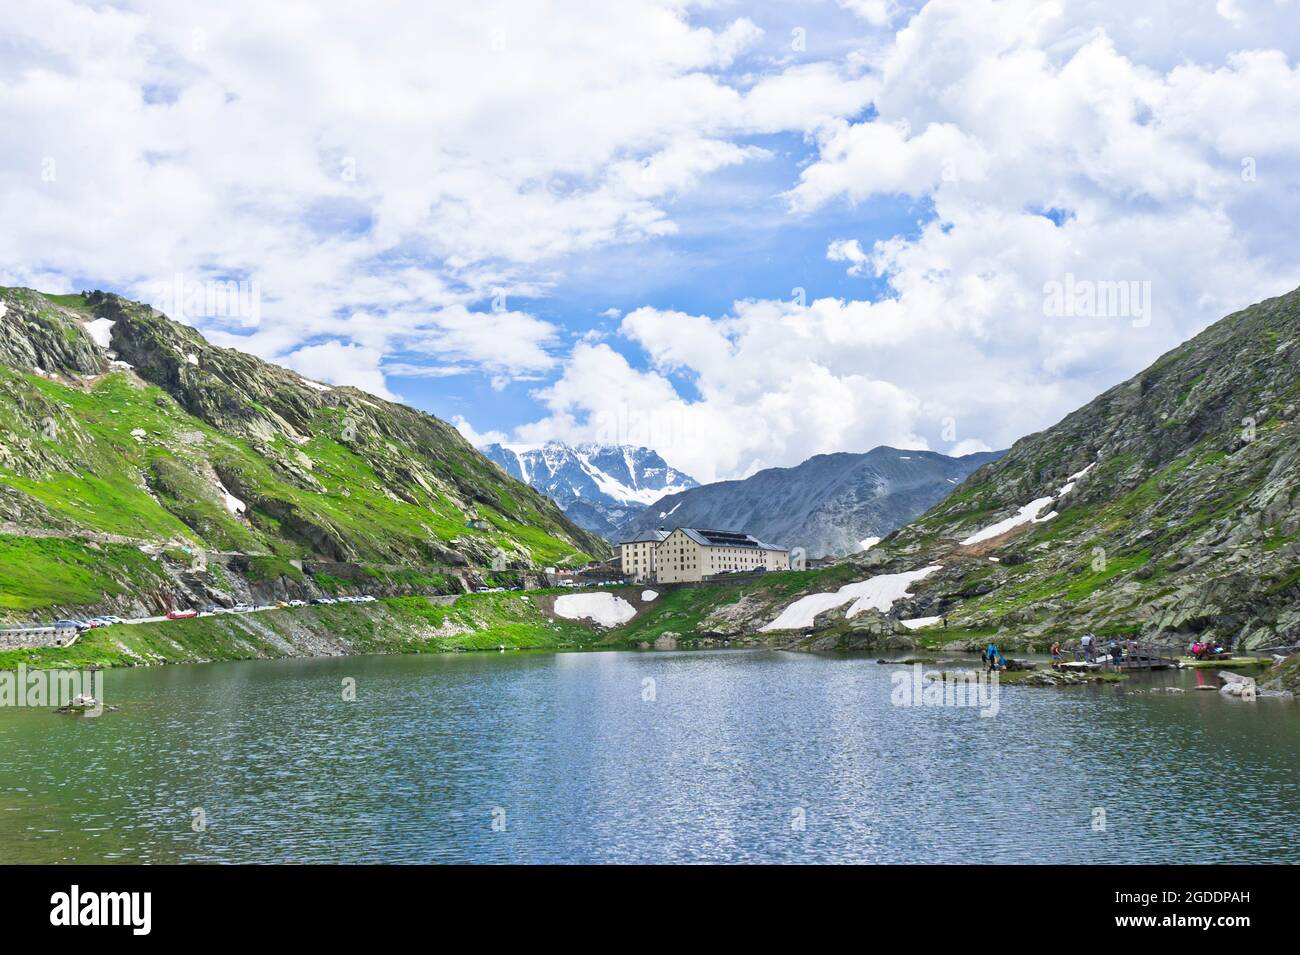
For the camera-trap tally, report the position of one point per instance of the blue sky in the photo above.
(735, 241)
(586, 221)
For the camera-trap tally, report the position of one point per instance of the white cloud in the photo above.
(477, 438)
(368, 168)
(1049, 144)
(850, 251)
(876, 12)
(338, 364)
(969, 446)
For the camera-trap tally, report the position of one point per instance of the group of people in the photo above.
(1207, 649)
(993, 658)
(1094, 650)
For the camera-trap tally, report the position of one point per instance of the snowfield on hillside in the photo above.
(1026, 514)
(878, 593)
(1029, 513)
(605, 609)
(916, 623)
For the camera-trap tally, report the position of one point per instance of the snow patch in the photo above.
(192, 359)
(612, 487)
(1072, 479)
(648, 595)
(316, 385)
(605, 609)
(1027, 514)
(100, 331)
(877, 593)
(867, 543)
(233, 504)
(663, 514)
(916, 623)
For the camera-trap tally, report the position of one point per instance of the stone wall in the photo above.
(23, 638)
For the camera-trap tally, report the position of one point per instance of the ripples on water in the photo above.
(715, 769)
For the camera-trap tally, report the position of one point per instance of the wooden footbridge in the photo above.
(1138, 656)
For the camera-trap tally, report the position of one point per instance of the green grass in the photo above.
(394, 625)
(937, 638)
(73, 300)
(491, 621)
(161, 486)
(684, 610)
(268, 569)
(36, 573)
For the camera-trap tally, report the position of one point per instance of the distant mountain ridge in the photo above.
(829, 505)
(598, 486)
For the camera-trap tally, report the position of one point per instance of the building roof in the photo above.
(712, 538)
(651, 536)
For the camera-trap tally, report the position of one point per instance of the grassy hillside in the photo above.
(165, 440)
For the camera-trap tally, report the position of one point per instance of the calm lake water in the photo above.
(745, 756)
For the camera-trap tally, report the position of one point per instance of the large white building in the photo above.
(691, 553)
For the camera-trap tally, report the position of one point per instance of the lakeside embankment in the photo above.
(665, 619)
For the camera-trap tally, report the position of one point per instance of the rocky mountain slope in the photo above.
(1168, 508)
(131, 447)
(831, 504)
(599, 486)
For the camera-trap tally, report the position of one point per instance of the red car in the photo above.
(182, 614)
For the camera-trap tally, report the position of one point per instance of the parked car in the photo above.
(182, 614)
(241, 608)
(67, 625)
(297, 603)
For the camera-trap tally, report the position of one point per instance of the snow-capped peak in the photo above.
(595, 483)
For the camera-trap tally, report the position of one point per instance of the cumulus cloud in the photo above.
(381, 176)
(336, 363)
(477, 438)
(1045, 148)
